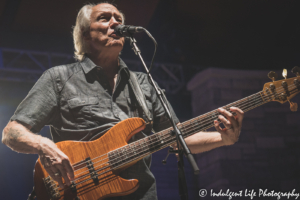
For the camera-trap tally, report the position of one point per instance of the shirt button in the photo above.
(117, 115)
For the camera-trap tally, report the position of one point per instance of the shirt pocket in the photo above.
(148, 96)
(82, 109)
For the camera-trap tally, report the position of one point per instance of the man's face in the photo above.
(104, 18)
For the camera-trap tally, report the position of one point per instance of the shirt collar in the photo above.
(88, 65)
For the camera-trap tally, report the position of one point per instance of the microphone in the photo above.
(127, 30)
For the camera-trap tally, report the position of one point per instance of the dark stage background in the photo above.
(194, 35)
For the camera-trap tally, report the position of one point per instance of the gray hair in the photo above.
(82, 26)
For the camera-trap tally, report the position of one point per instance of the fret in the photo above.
(129, 147)
(112, 157)
(214, 115)
(192, 125)
(158, 142)
(152, 143)
(181, 128)
(140, 147)
(262, 96)
(123, 150)
(157, 138)
(166, 135)
(195, 125)
(198, 122)
(249, 99)
(160, 139)
(120, 153)
(145, 144)
(134, 148)
(137, 149)
(121, 156)
(256, 99)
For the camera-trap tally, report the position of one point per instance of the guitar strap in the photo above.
(140, 96)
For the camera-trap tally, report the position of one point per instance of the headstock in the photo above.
(283, 90)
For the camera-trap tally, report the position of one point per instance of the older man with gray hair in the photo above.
(83, 100)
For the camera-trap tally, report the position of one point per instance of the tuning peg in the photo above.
(296, 70)
(284, 73)
(293, 106)
(272, 75)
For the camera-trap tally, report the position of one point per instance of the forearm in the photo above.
(204, 141)
(20, 139)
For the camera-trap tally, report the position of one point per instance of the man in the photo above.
(83, 100)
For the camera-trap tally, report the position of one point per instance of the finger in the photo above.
(239, 113)
(229, 116)
(51, 170)
(64, 174)
(69, 168)
(57, 178)
(226, 122)
(217, 126)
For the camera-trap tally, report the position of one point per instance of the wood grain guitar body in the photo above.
(95, 176)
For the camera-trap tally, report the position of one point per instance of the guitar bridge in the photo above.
(52, 188)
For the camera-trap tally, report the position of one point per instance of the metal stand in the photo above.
(180, 141)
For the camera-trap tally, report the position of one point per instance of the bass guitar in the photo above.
(97, 163)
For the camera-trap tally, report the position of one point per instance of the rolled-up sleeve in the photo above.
(40, 106)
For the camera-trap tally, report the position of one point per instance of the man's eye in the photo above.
(103, 18)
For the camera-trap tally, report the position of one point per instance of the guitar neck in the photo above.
(206, 121)
(165, 138)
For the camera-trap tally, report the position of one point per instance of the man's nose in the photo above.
(114, 22)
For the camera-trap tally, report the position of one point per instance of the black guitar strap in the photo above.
(140, 97)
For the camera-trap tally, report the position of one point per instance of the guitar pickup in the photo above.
(93, 173)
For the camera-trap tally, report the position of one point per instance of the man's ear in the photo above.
(86, 35)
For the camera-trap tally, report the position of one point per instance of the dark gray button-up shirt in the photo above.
(76, 101)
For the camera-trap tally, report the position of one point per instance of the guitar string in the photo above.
(130, 161)
(156, 138)
(80, 162)
(191, 121)
(184, 127)
(114, 168)
(83, 161)
(150, 149)
(121, 152)
(224, 106)
(102, 160)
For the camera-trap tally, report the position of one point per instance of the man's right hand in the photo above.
(19, 138)
(55, 162)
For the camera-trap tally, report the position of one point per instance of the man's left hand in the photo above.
(233, 124)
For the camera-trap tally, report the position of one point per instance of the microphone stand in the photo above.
(182, 147)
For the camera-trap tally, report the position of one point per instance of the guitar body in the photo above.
(109, 183)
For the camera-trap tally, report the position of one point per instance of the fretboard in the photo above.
(165, 138)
